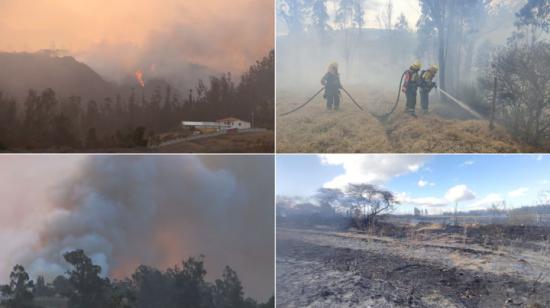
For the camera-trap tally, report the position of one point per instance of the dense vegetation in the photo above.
(46, 121)
(83, 287)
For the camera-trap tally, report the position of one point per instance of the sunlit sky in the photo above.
(223, 35)
(373, 11)
(432, 182)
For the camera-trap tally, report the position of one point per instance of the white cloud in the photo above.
(459, 193)
(468, 163)
(518, 192)
(454, 194)
(422, 201)
(484, 203)
(372, 169)
(421, 183)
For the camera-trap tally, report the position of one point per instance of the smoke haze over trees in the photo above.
(472, 41)
(358, 205)
(180, 41)
(46, 121)
(198, 61)
(126, 211)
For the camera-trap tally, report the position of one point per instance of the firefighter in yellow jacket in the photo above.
(426, 85)
(410, 86)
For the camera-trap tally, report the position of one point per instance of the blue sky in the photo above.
(432, 182)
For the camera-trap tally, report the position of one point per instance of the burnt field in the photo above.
(446, 129)
(423, 265)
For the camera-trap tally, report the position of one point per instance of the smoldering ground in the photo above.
(130, 210)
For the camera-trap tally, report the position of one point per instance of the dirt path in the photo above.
(247, 142)
(320, 269)
(313, 129)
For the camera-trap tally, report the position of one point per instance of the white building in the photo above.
(221, 124)
(234, 123)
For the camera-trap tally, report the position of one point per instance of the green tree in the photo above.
(41, 289)
(20, 289)
(228, 290)
(151, 287)
(61, 285)
(89, 290)
(190, 288)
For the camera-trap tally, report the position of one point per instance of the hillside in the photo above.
(23, 71)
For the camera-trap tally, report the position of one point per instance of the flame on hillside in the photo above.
(139, 78)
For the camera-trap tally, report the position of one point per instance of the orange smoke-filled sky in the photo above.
(222, 35)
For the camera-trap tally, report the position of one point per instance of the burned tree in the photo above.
(370, 202)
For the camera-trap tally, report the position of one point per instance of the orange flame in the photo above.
(139, 77)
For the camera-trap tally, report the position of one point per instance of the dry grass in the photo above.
(249, 142)
(317, 130)
(313, 129)
(431, 133)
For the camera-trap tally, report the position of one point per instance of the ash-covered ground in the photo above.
(414, 266)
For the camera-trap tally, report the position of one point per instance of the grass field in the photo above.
(313, 129)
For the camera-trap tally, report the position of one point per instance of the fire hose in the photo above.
(315, 95)
(302, 105)
(387, 115)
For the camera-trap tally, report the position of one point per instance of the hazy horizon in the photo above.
(160, 39)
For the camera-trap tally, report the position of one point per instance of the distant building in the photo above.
(234, 123)
(220, 125)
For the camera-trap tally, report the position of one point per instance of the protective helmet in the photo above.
(434, 68)
(416, 65)
(333, 67)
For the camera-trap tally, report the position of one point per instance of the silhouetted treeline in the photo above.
(47, 121)
(83, 287)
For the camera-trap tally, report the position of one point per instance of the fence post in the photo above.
(493, 105)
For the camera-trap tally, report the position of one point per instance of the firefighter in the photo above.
(426, 85)
(331, 82)
(410, 86)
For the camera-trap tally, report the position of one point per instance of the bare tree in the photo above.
(370, 200)
(388, 15)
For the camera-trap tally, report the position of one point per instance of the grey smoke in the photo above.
(156, 210)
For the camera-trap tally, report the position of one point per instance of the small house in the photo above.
(225, 124)
(234, 123)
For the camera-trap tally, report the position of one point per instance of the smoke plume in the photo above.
(116, 39)
(130, 210)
